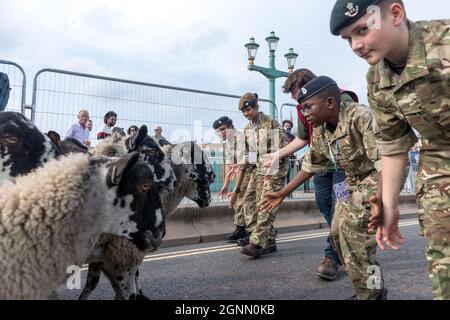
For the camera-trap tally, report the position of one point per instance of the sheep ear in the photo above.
(134, 142)
(54, 137)
(119, 169)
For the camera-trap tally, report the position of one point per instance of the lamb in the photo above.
(51, 218)
(116, 257)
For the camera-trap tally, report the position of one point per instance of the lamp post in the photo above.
(270, 73)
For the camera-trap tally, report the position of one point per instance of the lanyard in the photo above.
(333, 157)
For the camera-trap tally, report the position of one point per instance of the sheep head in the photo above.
(131, 177)
(196, 170)
(150, 151)
(69, 145)
(22, 146)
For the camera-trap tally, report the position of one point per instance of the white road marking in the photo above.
(229, 247)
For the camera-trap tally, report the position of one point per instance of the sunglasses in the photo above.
(306, 110)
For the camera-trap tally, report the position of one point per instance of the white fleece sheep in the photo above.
(117, 257)
(50, 219)
(113, 146)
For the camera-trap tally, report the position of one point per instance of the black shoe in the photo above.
(382, 295)
(269, 247)
(243, 241)
(252, 250)
(237, 234)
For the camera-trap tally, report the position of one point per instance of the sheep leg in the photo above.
(123, 283)
(114, 284)
(127, 284)
(93, 277)
(140, 294)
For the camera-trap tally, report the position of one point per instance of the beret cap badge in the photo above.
(352, 10)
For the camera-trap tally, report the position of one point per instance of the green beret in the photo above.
(345, 12)
(248, 99)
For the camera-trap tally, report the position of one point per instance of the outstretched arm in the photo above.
(393, 168)
(234, 194)
(274, 199)
(292, 147)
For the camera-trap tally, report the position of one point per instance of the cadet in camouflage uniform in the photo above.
(263, 135)
(245, 206)
(343, 135)
(408, 87)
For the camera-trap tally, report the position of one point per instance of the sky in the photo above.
(194, 44)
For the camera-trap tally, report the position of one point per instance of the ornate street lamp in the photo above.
(270, 73)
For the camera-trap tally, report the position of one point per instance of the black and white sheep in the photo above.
(117, 257)
(22, 146)
(52, 217)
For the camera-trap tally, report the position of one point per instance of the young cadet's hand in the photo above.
(388, 232)
(269, 159)
(272, 200)
(232, 196)
(377, 213)
(223, 192)
(232, 174)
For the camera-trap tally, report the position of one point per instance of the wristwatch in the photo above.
(237, 190)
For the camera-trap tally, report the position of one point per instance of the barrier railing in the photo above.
(18, 84)
(184, 114)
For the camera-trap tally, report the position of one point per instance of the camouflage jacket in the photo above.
(419, 97)
(352, 145)
(266, 136)
(234, 148)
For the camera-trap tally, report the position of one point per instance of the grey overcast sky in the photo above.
(189, 43)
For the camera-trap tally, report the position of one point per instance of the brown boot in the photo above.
(269, 247)
(328, 269)
(252, 250)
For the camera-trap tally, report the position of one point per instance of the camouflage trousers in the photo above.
(355, 246)
(433, 198)
(245, 206)
(262, 226)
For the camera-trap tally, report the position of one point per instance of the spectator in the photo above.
(287, 127)
(109, 120)
(79, 129)
(158, 137)
(89, 125)
(132, 130)
(414, 165)
(4, 90)
(414, 157)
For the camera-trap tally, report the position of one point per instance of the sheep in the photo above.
(22, 146)
(112, 146)
(116, 257)
(51, 218)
